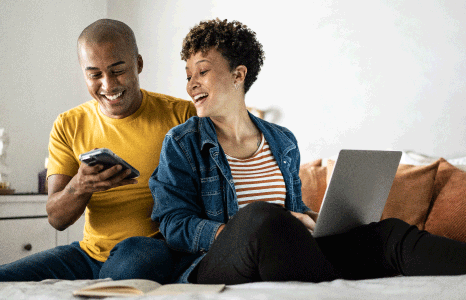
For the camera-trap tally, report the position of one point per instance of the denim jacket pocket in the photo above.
(211, 193)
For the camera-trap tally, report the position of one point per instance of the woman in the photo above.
(227, 189)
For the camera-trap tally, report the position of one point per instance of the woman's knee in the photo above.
(393, 225)
(262, 210)
(260, 216)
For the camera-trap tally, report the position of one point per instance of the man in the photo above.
(132, 123)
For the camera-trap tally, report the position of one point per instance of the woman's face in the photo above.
(211, 84)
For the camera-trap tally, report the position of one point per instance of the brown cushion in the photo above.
(448, 214)
(411, 194)
(315, 163)
(313, 183)
(330, 166)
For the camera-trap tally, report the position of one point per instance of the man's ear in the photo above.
(240, 74)
(140, 63)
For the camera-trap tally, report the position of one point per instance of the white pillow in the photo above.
(414, 158)
(409, 157)
(461, 167)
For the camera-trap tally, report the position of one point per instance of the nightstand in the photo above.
(24, 228)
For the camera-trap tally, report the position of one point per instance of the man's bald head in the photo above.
(107, 30)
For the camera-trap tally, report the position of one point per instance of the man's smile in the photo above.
(112, 97)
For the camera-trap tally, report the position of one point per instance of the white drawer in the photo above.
(23, 237)
(22, 206)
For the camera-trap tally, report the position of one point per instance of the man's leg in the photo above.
(63, 262)
(140, 257)
(264, 242)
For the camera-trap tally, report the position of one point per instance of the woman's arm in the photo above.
(303, 213)
(178, 204)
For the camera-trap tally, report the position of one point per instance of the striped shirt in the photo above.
(258, 177)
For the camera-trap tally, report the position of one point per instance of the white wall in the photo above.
(39, 76)
(345, 74)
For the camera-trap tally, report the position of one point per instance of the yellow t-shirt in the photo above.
(116, 214)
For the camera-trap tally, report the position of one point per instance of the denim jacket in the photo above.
(193, 188)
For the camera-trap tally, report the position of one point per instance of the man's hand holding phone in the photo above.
(91, 179)
(102, 170)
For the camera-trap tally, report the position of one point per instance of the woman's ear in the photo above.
(240, 74)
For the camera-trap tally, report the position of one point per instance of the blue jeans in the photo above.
(135, 257)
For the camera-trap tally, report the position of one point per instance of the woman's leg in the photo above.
(264, 242)
(391, 247)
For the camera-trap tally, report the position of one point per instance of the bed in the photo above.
(429, 192)
(400, 288)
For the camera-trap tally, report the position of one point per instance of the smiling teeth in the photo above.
(200, 96)
(109, 97)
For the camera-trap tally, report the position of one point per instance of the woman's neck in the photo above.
(237, 134)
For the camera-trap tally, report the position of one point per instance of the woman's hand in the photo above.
(308, 219)
(219, 230)
(312, 214)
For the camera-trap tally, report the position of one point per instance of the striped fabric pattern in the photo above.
(258, 178)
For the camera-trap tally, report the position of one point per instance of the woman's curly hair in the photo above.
(235, 41)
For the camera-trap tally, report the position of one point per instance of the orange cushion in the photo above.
(313, 183)
(448, 214)
(411, 194)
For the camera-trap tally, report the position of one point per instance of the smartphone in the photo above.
(108, 159)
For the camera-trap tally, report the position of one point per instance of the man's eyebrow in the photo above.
(116, 64)
(111, 66)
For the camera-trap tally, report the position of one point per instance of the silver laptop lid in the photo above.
(358, 189)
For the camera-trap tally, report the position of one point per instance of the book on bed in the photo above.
(135, 287)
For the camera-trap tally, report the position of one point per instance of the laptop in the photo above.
(357, 191)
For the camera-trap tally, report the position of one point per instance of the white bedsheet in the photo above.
(399, 288)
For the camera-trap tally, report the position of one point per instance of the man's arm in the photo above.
(69, 196)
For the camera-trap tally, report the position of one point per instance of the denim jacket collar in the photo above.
(207, 132)
(279, 142)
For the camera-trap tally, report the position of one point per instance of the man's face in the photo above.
(111, 71)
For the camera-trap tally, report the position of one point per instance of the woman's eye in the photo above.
(188, 78)
(204, 72)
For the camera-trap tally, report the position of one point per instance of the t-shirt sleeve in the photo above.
(62, 159)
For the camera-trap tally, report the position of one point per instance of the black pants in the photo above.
(264, 242)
